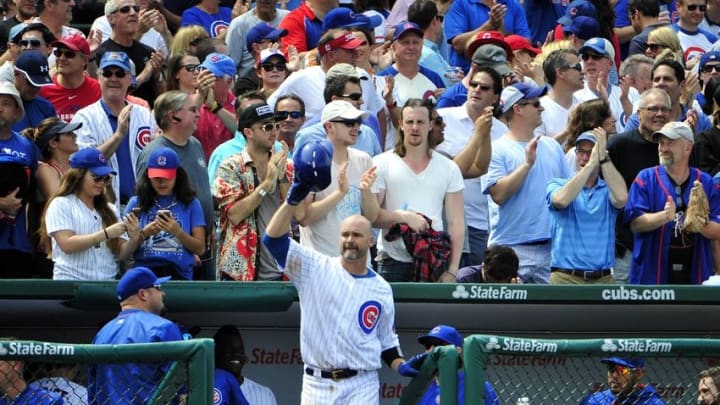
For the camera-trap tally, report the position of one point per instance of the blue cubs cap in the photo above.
(445, 333)
(91, 159)
(518, 91)
(115, 58)
(577, 8)
(403, 28)
(599, 45)
(263, 32)
(625, 362)
(712, 56)
(163, 163)
(135, 280)
(34, 66)
(220, 65)
(343, 17)
(586, 136)
(583, 27)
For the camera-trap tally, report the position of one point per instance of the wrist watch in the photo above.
(215, 107)
(605, 160)
(262, 192)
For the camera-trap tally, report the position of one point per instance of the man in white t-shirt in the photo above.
(564, 74)
(694, 40)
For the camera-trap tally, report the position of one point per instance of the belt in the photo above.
(535, 243)
(335, 374)
(585, 275)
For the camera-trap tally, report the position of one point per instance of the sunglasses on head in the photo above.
(117, 73)
(592, 56)
(283, 115)
(480, 86)
(695, 7)
(126, 9)
(68, 54)
(270, 126)
(105, 179)
(710, 68)
(353, 96)
(348, 122)
(269, 66)
(32, 43)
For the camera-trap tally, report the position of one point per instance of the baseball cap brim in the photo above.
(37, 80)
(68, 45)
(162, 280)
(565, 20)
(586, 136)
(114, 63)
(597, 49)
(536, 92)
(162, 173)
(102, 171)
(276, 33)
(352, 44)
(502, 68)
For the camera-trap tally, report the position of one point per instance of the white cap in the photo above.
(675, 130)
(9, 89)
(266, 54)
(341, 109)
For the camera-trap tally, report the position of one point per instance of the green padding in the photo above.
(443, 359)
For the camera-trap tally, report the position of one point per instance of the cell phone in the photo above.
(165, 214)
(136, 211)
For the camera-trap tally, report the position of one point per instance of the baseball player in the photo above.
(623, 377)
(347, 318)
(141, 301)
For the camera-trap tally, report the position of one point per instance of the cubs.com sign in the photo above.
(35, 349)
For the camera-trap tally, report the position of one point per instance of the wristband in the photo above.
(215, 108)
(106, 234)
(607, 159)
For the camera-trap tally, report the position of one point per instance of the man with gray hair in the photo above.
(177, 115)
(564, 73)
(708, 386)
(637, 68)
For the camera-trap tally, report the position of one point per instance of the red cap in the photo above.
(74, 42)
(491, 38)
(346, 41)
(518, 43)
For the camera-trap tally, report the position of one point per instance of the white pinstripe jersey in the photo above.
(346, 321)
(257, 394)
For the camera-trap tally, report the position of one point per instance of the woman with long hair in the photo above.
(183, 69)
(171, 218)
(585, 116)
(87, 237)
(186, 40)
(664, 38)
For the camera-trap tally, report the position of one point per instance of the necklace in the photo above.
(160, 207)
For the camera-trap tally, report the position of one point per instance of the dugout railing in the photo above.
(190, 374)
(561, 371)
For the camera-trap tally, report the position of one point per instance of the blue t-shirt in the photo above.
(164, 247)
(453, 96)
(34, 396)
(22, 154)
(130, 383)
(214, 24)
(430, 397)
(227, 389)
(545, 14)
(36, 110)
(467, 15)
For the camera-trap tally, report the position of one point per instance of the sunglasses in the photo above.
(695, 7)
(353, 96)
(535, 103)
(348, 122)
(438, 120)
(67, 54)
(577, 66)
(654, 47)
(117, 73)
(622, 370)
(126, 9)
(269, 66)
(481, 86)
(191, 67)
(270, 126)
(283, 115)
(32, 43)
(104, 179)
(592, 56)
(710, 68)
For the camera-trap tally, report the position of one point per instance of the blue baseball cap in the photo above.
(586, 136)
(625, 362)
(34, 66)
(445, 333)
(263, 32)
(599, 45)
(117, 59)
(577, 8)
(711, 56)
(135, 280)
(405, 27)
(91, 159)
(343, 17)
(15, 31)
(163, 163)
(583, 27)
(518, 91)
(219, 64)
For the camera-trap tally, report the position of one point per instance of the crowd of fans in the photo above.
(567, 143)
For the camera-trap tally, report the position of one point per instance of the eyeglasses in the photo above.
(283, 115)
(583, 152)
(126, 9)
(656, 109)
(353, 96)
(269, 66)
(535, 103)
(438, 120)
(622, 370)
(577, 66)
(655, 47)
(481, 86)
(117, 73)
(191, 67)
(32, 43)
(710, 68)
(592, 56)
(66, 53)
(348, 122)
(694, 7)
(270, 126)
(104, 179)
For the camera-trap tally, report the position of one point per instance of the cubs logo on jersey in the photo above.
(368, 315)
(217, 396)
(143, 137)
(218, 27)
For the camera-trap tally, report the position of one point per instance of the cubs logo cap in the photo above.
(494, 57)
(518, 91)
(117, 59)
(712, 56)
(444, 333)
(625, 362)
(91, 159)
(136, 279)
(520, 43)
(583, 27)
(343, 17)
(34, 66)
(163, 163)
(403, 28)
(577, 8)
(220, 65)
(599, 45)
(347, 41)
(489, 38)
(74, 42)
(263, 32)
(255, 113)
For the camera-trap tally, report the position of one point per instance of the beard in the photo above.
(666, 160)
(351, 252)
